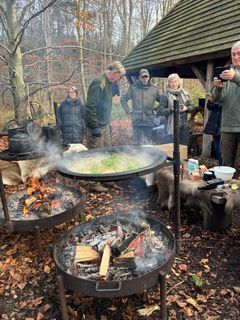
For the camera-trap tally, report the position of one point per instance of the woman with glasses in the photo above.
(71, 118)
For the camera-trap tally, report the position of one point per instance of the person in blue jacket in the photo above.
(71, 118)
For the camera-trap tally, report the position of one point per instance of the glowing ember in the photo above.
(41, 199)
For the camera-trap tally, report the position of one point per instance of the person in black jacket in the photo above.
(71, 118)
(213, 126)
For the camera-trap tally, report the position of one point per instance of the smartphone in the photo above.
(219, 70)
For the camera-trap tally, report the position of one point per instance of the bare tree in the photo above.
(14, 26)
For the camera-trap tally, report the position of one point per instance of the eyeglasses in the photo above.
(71, 92)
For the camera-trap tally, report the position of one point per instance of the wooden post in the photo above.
(176, 169)
(206, 146)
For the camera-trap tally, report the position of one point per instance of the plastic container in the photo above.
(223, 172)
(193, 166)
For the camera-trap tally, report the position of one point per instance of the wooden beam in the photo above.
(206, 147)
(199, 74)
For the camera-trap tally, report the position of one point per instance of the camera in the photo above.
(219, 70)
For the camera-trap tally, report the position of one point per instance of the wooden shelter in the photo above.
(191, 40)
(192, 37)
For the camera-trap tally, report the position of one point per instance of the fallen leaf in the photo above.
(188, 311)
(193, 302)
(47, 269)
(236, 289)
(21, 285)
(148, 310)
(181, 304)
(112, 308)
(183, 267)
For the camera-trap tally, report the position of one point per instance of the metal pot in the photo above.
(14, 131)
(52, 134)
(21, 143)
(153, 155)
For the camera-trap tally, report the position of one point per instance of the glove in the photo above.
(96, 132)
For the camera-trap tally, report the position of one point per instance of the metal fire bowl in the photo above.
(113, 289)
(48, 222)
(6, 155)
(155, 158)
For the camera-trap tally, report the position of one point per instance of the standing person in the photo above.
(226, 91)
(143, 95)
(213, 126)
(174, 90)
(98, 111)
(71, 118)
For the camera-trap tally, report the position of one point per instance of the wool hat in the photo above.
(117, 66)
(144, 73)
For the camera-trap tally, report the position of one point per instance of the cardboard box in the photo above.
(168, 149)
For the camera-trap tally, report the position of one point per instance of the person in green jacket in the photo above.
(143, 95)
(226, 91)
(98, 111)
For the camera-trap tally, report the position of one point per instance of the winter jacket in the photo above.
(99, 102)
(166, 109)
(143, 103)
(71, 120)
(214, 121)
(229, 98)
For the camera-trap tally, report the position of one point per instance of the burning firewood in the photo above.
(86, 253)
(41, 199)
(125, 256)
(30, 200)
(103, 271)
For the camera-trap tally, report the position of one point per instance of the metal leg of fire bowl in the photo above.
(38, 240)
(63, 304)
(162, 280)
(8, 222)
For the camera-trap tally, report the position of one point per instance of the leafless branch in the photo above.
(4, 59)
(2, 16)
(6, 79)
(24, 10)
(5, 48)
(53, 84)
(69, 47)
(26, 23)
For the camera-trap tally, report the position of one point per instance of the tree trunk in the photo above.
(80, 41)
(15, 64)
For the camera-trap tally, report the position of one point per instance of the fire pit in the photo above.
(112, 164)
(115, 256)
(64, 204)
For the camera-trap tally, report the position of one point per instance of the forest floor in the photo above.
(204, 282)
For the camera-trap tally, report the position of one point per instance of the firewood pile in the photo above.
(41, 199)
(117, 251)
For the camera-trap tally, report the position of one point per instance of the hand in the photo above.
(96, 132)
(217, 83)
(182, 108)
(228, 74)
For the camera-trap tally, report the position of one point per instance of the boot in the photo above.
(97, 187)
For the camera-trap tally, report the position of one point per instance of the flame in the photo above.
(38, 190)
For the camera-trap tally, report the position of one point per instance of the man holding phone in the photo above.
(226, 91)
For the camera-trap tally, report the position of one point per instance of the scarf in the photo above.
(174, 94)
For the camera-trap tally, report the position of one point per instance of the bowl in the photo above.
(223, 172)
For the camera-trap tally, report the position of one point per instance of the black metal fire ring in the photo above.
(155, 155)
(113, 289)
(51, 220)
